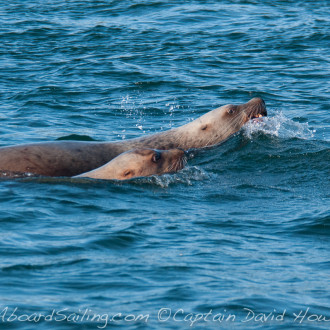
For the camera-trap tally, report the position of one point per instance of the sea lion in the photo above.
(138, 163)
(70, 158)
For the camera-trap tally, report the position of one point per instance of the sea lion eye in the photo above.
(126, 173)
(156, 156)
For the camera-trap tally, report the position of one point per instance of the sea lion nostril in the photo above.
(257, 100)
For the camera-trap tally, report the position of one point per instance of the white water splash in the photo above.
(279, 126)
(187, 176)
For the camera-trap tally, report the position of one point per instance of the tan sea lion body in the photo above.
(70, 158)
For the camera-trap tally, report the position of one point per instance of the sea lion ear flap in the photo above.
(156, 156)
(127, 173)
(232, 109)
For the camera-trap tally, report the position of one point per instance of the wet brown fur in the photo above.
(69, 158)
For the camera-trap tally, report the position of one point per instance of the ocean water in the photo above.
(239, 239)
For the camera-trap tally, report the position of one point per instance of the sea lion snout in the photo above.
(178, 159)
(255, 108)
(257, 100)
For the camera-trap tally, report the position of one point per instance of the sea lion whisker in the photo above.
(171, 167)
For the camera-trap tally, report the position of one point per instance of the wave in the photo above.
(188, 176)
(76, 137)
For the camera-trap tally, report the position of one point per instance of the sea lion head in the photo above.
(242, 113)
(140, 163)
(217, 125)
(146, 162)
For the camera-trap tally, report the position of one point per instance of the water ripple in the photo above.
(244, 225)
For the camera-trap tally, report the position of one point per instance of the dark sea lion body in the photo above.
(70, 158)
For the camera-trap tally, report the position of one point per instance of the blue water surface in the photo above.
(239, 239)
